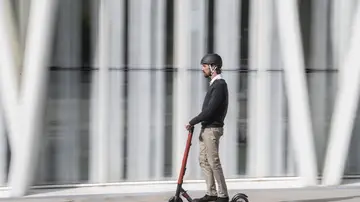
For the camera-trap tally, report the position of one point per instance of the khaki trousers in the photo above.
(210, 161)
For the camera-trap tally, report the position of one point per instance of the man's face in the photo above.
(206, 70)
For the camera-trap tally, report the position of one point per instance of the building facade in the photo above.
(99, 91)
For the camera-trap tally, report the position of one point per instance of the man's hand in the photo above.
(188, 126)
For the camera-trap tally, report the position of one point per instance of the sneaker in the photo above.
(222, 199)
(206, 198)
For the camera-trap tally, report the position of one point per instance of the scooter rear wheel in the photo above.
(172, 199)
(240, 198)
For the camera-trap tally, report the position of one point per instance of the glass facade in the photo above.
(142, 124)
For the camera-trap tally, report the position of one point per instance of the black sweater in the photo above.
(215, 106)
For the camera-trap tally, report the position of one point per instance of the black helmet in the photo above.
(212, 59)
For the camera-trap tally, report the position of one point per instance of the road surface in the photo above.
(269, 195)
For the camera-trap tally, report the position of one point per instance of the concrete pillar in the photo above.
(10, 78)
(346, 106)
(33, 94)
(278, 107)
(158, 89)
(182, 63)
(102, 136)
(296, 88)
(198, 82)
(116, 88)
(259, 105)
(139, 89)
(227, 43)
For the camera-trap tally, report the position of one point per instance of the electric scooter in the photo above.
(180, 190)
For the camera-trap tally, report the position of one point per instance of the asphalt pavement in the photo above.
(317, 194)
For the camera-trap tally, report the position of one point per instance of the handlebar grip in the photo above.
(191, 130)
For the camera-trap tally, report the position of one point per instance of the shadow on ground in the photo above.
(326, 199)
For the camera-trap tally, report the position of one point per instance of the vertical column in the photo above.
(260, 34)
(9, 66)
(197, 94)
(139, 102)
(68, 56)
(102, 135)
(107, 89)
(227, 43)
(23, 10)
(117, 84)
(318, 82)
(158, 97)
(277, 106)
(252, 149)
(293, 60)
(182, 62)
(32, 102)
(345, 109)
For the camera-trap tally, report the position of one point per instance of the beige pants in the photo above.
(210, 161)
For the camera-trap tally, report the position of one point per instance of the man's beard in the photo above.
(206, 75)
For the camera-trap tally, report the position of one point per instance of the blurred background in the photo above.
(153, 85)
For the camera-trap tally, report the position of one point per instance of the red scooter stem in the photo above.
(185, 157)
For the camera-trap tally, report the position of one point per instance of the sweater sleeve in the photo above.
(214, 102)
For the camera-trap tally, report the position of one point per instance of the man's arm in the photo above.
(216, 99)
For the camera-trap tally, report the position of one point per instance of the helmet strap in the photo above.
(212, 69)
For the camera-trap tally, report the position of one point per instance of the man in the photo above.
(212, 117)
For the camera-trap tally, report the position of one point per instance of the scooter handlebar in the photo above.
(191, 129)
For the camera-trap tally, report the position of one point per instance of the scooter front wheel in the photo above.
(173, 199)
(240, 198)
